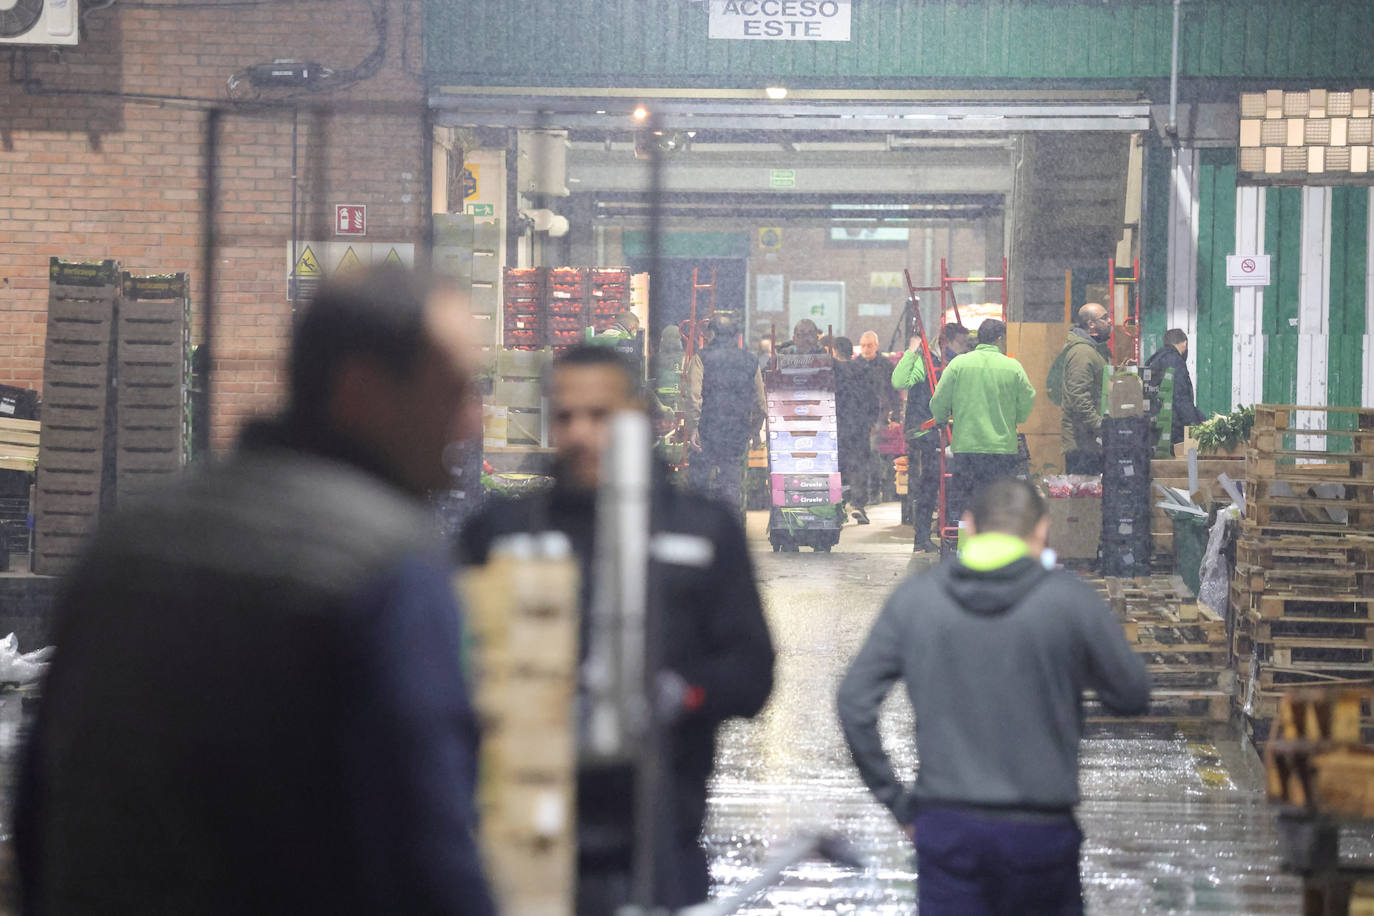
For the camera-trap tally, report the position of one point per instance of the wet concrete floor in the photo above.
(1174, 819)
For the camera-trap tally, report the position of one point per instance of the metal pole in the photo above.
(649, 809)
(210, 245)
(1172, 128)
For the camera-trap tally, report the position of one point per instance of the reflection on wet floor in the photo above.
(1175, 821)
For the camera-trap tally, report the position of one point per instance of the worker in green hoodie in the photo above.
(988, 395)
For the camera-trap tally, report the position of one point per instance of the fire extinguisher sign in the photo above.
(350, 219)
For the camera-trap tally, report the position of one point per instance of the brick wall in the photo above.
(89, 176)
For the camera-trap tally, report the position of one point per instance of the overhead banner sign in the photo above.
(781, 20)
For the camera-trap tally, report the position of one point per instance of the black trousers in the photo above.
(1083, 462)
(923, 482)
(856, 468)
(972, 471)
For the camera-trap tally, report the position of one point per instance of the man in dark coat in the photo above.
(725, 407)
(256, 704)
(1174, 355)
(717, 652)
(856, 410)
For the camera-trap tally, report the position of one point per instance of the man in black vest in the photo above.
(717, 652)
(257, 703)
(725, 408)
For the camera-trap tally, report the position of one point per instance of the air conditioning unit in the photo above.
(38, 22)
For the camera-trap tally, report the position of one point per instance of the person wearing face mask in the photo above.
(1174, 355)
(1080, 364)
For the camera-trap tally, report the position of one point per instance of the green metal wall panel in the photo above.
(664, 42)
(1215, 301)
(1282, 239)
(1346, 319)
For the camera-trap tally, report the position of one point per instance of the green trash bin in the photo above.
(1190, 543)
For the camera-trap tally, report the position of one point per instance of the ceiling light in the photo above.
(777, 93)
(641, 113)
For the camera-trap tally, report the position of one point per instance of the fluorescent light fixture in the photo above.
(777, 93)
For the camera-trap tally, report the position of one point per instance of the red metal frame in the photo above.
(949, 528)
(1132, 304)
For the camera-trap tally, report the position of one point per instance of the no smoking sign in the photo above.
(1247, 270)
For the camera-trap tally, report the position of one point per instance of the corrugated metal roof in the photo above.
(617, 43)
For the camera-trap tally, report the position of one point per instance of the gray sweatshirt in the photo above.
(995, 664)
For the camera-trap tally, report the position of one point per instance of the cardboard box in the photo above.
(1036, 345)
(1125, 395)
(783, 441)
(493, 426)
(1075, 526)
(817, 463)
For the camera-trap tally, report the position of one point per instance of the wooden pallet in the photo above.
(1170, 705)
(1314, 674)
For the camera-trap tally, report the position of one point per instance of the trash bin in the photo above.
(1190, 544)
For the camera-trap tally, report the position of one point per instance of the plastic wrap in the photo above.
(1215, 576)
(1066, 486)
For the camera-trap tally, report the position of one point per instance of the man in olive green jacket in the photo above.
(989, 395)
(1083, 360)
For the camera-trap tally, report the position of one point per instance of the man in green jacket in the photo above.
(1083, 359)
(922, 441)
(988, 395)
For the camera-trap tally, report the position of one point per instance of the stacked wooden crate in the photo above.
(1303, 589)
(523, 622)
(1182, 643)
(78, 373)
(153, 364)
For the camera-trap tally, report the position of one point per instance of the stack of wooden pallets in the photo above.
(1303, 589)
(1182, 643)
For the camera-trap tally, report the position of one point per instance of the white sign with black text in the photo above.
(780, 20)
(1247, 270)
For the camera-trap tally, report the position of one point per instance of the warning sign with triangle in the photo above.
(307, 265)
(393, 257)
(349, 261)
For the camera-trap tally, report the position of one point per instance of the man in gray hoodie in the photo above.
(995, 651)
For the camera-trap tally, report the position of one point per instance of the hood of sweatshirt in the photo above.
(995, 572)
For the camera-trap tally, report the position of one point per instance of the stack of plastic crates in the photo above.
(526, 292)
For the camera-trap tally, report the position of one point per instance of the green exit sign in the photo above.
(782, 178)
(481, 210)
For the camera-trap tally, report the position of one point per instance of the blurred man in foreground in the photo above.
(995, 652)
(256, 704)
(717, 652)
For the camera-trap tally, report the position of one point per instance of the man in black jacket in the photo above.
(856, 410)
(717, 652)
(256, 705)
(995, 652)
(1174, 355)
(725, 407)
